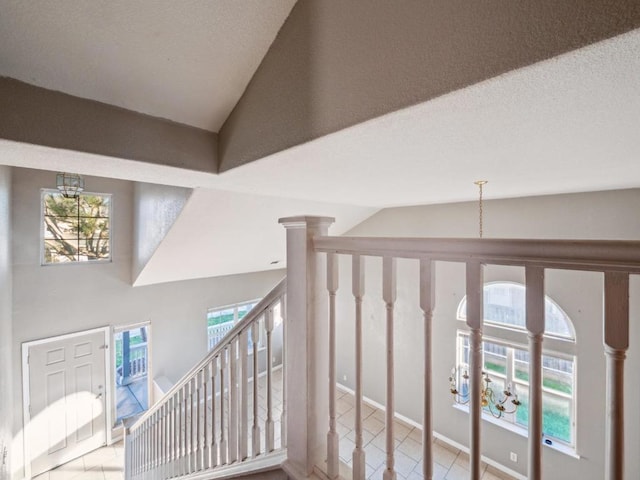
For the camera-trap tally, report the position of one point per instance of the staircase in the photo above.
(218, 423)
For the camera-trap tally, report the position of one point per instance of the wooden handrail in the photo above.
(591, 255)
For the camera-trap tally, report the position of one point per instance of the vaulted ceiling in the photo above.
(335, 108)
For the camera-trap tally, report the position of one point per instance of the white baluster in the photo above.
(206, 447)
(154, 440)
(255, 431)
(357, 284)
(333, 459)
(427, 304)
(128, 453)
(183, 430)
(194, 423)
(163, 438)
(283, 416)
(389, 297)
(244, 395)
(474, 287)
(187, 429)
(214, 443)
(616, 343)
(534, 278)
(223, 438)
(174, 433)
(199, 414)
(233, 401)
(268, 425)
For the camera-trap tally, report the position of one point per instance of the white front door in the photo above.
(67, 413)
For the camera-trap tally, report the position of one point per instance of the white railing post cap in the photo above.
(302, 221)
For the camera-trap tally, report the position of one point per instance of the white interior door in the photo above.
(67, 380)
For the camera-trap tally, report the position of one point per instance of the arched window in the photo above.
(506, 359)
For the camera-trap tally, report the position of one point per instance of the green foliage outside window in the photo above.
(76, 229)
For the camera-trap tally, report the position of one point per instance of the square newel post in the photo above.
(306, 345)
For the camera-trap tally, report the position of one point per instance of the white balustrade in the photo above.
(202, 423)
(205, 422)
(616, 259)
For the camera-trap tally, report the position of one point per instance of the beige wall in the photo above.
(52, 300)
(606, 215)
(39, 116)
(6, 411)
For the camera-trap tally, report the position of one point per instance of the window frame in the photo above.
(43, 262)
(514, 338)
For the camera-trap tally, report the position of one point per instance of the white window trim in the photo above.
(517, 338)
(507, 421)
(43, 263)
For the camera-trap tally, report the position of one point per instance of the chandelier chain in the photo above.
(480, 183)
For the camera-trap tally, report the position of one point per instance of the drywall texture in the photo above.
(336, 64)
(101, 294)
(6, 399)
(44, 117)
(605, 215)
(155, 209)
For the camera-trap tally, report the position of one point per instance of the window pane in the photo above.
(557, 374)
(60, 251)
(495, 358)
(244, 309)
(94, 206)
(57, 205)
(556, 413)
(217, 317)
(504, 305)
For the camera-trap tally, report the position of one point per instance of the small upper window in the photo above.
(76, 229)
(504, 306)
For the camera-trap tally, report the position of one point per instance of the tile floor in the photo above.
(449, 463)
(106, 463)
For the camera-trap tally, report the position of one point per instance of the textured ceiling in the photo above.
(566, 124)
(187, 61)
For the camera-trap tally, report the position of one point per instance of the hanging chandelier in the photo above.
(71, 185)
(507, 404)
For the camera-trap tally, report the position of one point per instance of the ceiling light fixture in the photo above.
(508, 404)
(71, 185)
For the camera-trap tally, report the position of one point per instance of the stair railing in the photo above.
(227, 414)
(312, 273)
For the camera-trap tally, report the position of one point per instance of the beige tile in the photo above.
(374, 456)
(404, 464)
(342, 406)
(366, 436)
(345, 448)
(373, 425)
(401, 429)
(348, 418)
(411, 448)
(380, 441)
(443, 456)
(463, 461)
(457, 473)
